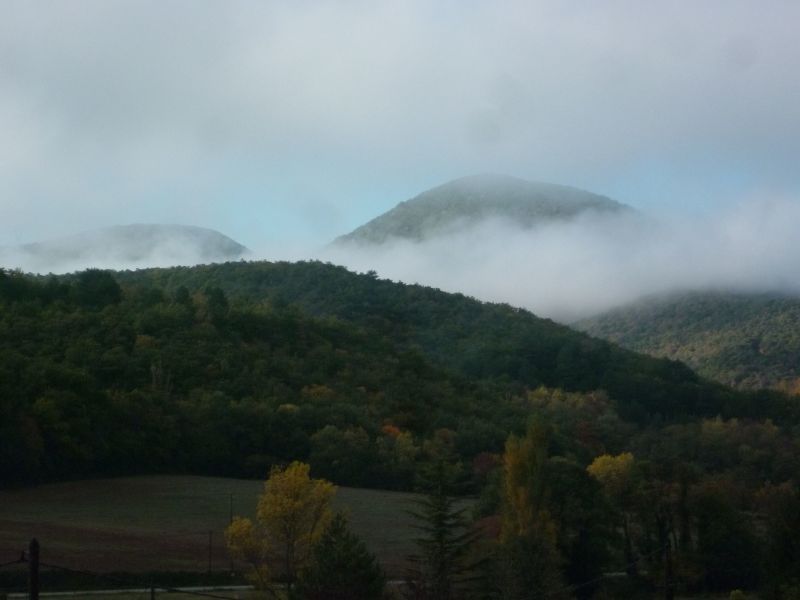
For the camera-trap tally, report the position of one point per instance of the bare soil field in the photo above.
(169, 523)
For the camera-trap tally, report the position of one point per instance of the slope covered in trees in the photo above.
(228, 369)
(232, 369)
(744, 340)
(483, 341)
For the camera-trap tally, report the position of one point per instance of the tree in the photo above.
(444, 568)
(780, 505)
(530, 563)
(616, 475)
(96, 289)
(291, 516)
(341, 568)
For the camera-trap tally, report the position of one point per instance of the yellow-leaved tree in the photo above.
(291, 516)
(531, 562)
(617, 476)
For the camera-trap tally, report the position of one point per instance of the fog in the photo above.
(124, 247)
(286, 124)
(570, 270)
(564, 270)
(279, 120)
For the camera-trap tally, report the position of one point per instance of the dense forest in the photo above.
(745, 340)
(232, 369)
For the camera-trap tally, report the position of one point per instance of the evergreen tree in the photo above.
(341, 568)
(444, 567)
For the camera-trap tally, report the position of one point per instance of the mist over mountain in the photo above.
(567, 254)
(470, 201)
(125, 246)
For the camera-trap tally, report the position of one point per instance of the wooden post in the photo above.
(152, 593)
(669, 583)
(33, 570)
(210, 534)
(230, 522)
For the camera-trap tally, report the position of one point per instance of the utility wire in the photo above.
(20, 560)
(577, 586)
(128, 583)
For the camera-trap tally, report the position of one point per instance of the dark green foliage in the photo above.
(132, 381)
(583, 518)
(95, 288)
(746, 340)
(726, 549)
(445, 567)
(528, 568)
(341, 568)
(490, 342)
(229, 369)
(226, 369)
(780, 505)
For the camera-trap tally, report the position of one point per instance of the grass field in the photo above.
(162, 523)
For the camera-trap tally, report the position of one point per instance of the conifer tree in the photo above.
(444, 568)
(341, 568)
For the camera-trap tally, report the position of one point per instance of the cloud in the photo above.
(570, 270)
(196, 112)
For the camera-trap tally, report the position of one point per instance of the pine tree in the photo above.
(444, 568)
(341, 568)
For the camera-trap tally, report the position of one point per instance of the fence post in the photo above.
(33, 570)
(152, 593)
(210, 538)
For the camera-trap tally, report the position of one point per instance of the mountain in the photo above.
(744, 340)
(478, 340)
(471, 200)
(230, 368)
(125, 246)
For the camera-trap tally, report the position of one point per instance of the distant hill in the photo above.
(745, 340)
(471, 200)
(124, 246)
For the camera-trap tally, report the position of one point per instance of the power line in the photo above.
(20, 560)
(108, 577)
(577, 586)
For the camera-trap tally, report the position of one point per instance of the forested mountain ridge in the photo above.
(478, 340)
(229, 368)
(471, 200)
(745, 340)
(234, 368)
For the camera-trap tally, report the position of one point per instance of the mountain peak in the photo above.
(125, 246)
(467, 201)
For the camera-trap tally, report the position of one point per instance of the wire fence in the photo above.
(107, 584)
(136, 588)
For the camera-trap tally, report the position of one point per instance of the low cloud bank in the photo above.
(562, 270)
(570, 270)
(124, 247)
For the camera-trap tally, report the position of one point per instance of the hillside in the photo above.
(745, 340)
(226, 369)
(124, 246)
(233, 368)
(468, 201)
(477, 340)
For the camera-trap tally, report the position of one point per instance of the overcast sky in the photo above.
(296, 121)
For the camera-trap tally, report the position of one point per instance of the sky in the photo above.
(284, 124)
